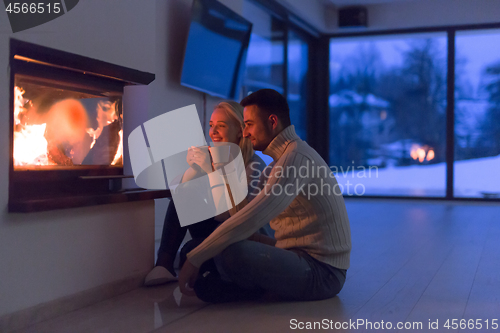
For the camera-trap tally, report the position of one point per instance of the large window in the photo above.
(402, 125)
(412, 113)
(277, 59)
(388, 114)
(477, 114)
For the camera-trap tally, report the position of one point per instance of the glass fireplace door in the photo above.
(57, 125)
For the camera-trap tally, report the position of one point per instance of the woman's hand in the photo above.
(199, 157)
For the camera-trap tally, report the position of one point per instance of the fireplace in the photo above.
(67, 118)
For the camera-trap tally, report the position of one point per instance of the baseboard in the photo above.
(36, 314)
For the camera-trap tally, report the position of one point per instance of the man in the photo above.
(300, 197)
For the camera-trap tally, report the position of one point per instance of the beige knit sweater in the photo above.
(301, 200)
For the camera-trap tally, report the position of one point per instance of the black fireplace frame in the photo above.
(36, 190)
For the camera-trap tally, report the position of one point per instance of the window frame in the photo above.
(318, 82)
(310, 35)
(450, 100)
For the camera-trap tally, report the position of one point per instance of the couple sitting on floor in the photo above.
(232, 256)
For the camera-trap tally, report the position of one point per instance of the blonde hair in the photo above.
(235, 110)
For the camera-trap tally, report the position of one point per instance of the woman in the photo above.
(226, 125)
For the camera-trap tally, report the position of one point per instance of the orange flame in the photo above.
(31, 146)
(18, 104)
(119, 151)
(30, 143)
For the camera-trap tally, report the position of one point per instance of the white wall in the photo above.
(311, 11)
(423, 13)
(48, 255)
(166, 94)
(401, 14)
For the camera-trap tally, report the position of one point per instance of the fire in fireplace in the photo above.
(67, 125)
(56, 127)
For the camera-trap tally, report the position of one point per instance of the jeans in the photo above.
(246, 270)
(173, 234)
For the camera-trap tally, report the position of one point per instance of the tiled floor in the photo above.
(411, 262)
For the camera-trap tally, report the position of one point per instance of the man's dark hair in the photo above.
(269, 101)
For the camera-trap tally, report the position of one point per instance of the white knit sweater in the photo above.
(300, 199)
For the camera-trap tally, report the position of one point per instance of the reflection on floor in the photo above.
(412, 262)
